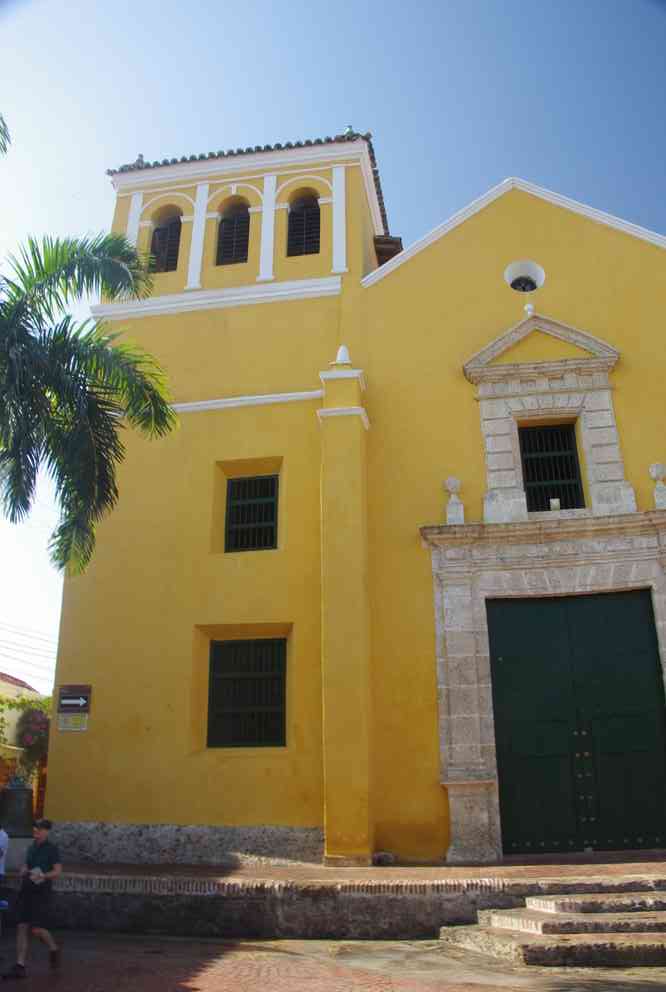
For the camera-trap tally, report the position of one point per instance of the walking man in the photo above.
(42, 865)
(4, 844)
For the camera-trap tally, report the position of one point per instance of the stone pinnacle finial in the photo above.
(658, 473)
(455, 511)
(342, 357)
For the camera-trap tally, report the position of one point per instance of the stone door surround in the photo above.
(570, 389)
(564, 556)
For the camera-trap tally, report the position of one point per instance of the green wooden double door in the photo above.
(580, 720)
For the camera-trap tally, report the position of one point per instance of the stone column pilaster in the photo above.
(198, 234)
(134, 218)
(345, 618)
(267, 247)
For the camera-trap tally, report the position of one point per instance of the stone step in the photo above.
(576, 950)
(536, 921)
(599, 902)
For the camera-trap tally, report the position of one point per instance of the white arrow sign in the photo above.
(74, 702)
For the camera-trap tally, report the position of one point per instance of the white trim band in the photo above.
(217, 299)
(236, 401)
(344, 374)
(344, 411)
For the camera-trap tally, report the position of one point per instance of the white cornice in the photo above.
(344, 411)
(264, 399)
(493, 194)
(275, 161)
(216, 299)
(371, 192)
(523, 370)
(190, 172)
(555, 529)
(344, 374)
(218, 185)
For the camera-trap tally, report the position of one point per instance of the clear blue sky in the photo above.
(458, 94)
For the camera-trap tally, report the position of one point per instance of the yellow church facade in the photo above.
(396, 583)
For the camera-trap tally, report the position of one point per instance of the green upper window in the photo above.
(251, 521)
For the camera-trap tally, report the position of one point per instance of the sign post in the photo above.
(74, 706)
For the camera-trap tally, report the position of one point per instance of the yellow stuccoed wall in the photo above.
(137, 624)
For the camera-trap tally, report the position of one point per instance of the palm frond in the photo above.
(54, 271)
(66, 392)
(5, 137)
(73, 541)
(138, 383)
(125, 374)
(82, 449)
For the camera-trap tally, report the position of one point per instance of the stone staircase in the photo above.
(604, 929)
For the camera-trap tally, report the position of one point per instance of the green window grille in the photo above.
(304, 227)
(251, 521)
(233, 238)
(247, 693)
(550, 467)
(164, 246)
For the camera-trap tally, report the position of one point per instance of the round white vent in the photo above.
(525, 276)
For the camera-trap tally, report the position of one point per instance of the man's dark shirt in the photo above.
(45, 856)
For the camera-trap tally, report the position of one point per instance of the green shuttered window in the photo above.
(251, 521)
(247, 693)
(550, 467)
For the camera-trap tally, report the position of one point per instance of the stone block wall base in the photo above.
(342, 861)
(474, 823)
(161, 843)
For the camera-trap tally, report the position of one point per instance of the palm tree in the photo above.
(67, 388)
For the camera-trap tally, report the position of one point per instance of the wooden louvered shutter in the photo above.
(158, 248)
(164, 246)
(173, 244)
(233, 240)
(304, 228)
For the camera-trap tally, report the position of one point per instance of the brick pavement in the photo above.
(128, 964)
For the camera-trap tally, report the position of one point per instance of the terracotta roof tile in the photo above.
(4, 677)
(140, 164)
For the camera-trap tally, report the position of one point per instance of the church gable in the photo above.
(506, 187)
(539, 347)
(543, 342)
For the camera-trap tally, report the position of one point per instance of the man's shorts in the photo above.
(32, 906)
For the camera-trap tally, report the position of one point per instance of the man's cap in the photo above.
(43, 824)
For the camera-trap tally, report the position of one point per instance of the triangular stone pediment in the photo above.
(591, 352)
